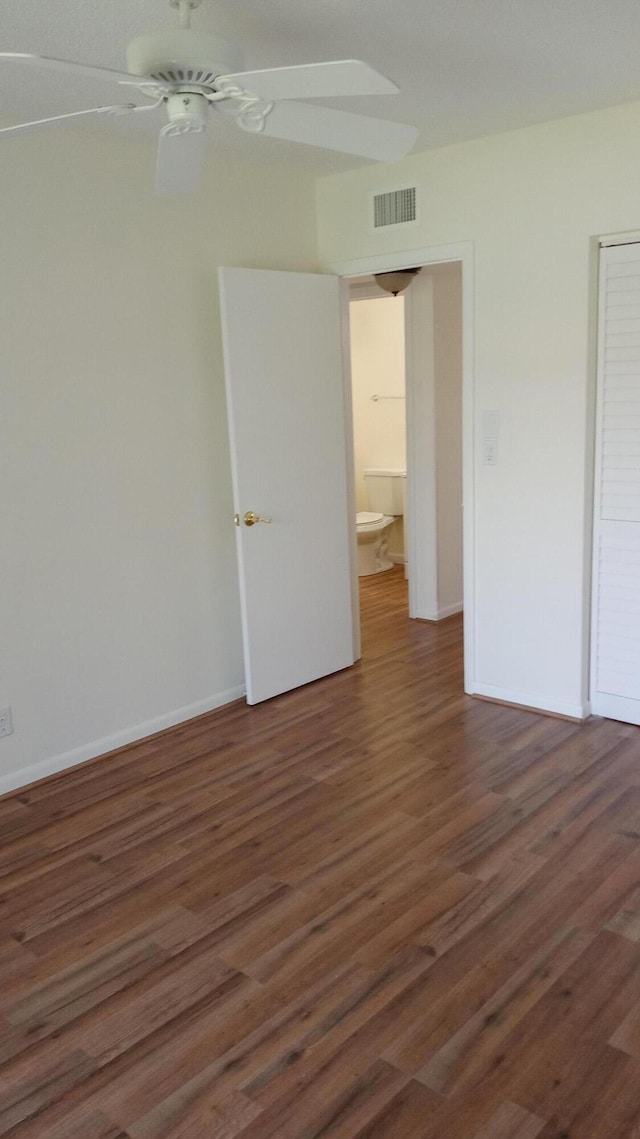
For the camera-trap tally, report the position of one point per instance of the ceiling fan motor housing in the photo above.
(183, 57)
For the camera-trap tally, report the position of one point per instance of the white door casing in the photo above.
(283, 344)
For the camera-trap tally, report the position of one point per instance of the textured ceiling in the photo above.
(466, 68)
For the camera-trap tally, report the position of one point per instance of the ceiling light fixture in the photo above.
(397, 281)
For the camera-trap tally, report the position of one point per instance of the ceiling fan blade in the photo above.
(72, 68)
(180, 160)
(312, 81)
(339, 130)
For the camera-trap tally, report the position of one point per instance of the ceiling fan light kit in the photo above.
(193, 73)
(186, 112)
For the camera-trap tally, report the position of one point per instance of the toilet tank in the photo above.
(385, 489)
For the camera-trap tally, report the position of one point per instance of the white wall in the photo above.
(119, 609)
(434, 328)
(447, 369)
(530, 201)
(377, 368)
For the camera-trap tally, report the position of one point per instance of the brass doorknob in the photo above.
(251, 518)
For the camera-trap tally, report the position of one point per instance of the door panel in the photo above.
(282, 336)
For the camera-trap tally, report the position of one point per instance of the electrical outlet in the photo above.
(6, 727)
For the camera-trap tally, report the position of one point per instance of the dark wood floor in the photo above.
(372, 908)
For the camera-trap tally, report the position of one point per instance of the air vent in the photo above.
(396, 207)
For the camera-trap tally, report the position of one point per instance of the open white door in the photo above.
(282, 335)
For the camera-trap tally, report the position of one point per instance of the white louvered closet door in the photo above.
(615, 656)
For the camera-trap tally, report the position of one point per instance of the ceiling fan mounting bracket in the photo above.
(180, 56)
(185, 7)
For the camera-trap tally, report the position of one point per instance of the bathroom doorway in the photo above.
(378, 391)
(407, 380)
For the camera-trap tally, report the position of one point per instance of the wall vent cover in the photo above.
(395, 207)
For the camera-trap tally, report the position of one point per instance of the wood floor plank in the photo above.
(466, 1056)
(441, 895)
(336, 1103)
(29, 1084)
(575, 1018)
(329, 938)
(371, 908)
(394, 1000)
(404, 1115)
(46, 1007)
(221, 1119)
(84, 1123)
(202, 1055)
(511, 1122)
(603, 1105)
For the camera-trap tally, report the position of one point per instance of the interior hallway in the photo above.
(372, 907)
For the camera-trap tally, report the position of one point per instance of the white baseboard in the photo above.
(449, 610)
(533, 701)
(14, 779)
(440, 614)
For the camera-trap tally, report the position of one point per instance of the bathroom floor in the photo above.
(384, 608)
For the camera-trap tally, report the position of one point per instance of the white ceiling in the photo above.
(466, 68)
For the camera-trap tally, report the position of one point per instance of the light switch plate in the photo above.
(490, 437)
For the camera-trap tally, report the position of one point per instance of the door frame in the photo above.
(407, 259)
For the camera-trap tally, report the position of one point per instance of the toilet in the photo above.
(386, 499)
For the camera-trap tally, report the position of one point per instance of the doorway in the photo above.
(429, 258)
(407, 371)
(378, 399)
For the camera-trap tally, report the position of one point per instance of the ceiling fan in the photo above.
(193, 73)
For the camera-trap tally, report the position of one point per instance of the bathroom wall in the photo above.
(378, 368)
